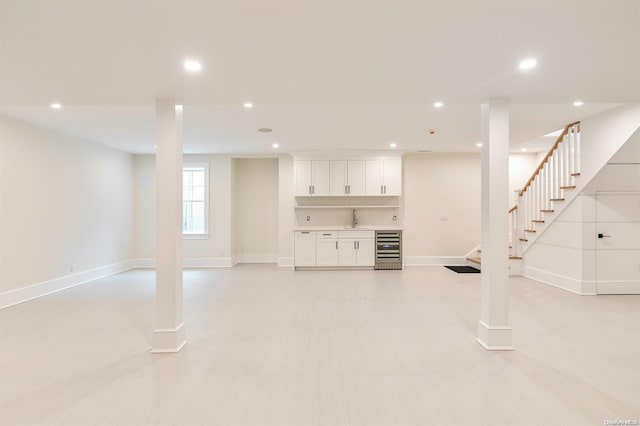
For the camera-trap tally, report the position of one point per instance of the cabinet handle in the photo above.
(382, 189)
(336, 245)
(354, 245)
(349, 186)
(313, 189)
(358, 245)
(305, 232)
(345, 189)
(309, 189)
(385, 189)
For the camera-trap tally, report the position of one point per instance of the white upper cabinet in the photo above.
(355, 177)
(383, 177)
(347, 177)
(392, 175)
(338, 177)
(312, 177)
(374, 177)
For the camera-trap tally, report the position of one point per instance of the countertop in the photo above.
(348, 228)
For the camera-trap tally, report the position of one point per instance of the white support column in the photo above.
(169, 334)
(494, 332)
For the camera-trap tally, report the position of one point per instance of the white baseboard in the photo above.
(585, 288)
(19, 295)
(257, 258)
(192, 262)
(618, 287)
(434, 260)
(285, 262)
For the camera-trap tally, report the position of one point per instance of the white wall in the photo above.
(66, 209)
(286, 217)
(255, 208)
(217, 250)
(441, 206)
(521, 167)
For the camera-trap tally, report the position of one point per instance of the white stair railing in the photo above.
(555, 174)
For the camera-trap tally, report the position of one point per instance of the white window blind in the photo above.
(194, 200)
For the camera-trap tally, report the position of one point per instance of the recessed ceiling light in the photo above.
(479, 144)
(432, 131)
(56, 105)
(179, 107)
(393, 144)
(192, 65)
(247, 105)
(265, 130)
(523, 149)
(275, 145)
(527, 64)
(578, 103)
(438, 104)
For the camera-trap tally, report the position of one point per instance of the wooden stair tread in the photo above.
(575, 174)
(515, 257)
(529, 230)
(568, 187)
(479, 260)
(557, 199)
(474, 259)
(523, 239)
(547, 211)
(537, 221)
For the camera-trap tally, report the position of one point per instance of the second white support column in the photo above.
(169, 334)
(494, 332)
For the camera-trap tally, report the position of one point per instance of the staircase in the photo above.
(546, 187)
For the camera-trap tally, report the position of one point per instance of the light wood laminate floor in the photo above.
(269, 346)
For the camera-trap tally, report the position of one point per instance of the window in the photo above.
(195, 200)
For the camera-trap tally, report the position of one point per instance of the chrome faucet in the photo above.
(354, 219)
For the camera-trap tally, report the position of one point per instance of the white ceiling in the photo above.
(323, 74)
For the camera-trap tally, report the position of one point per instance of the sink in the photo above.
(357, 228)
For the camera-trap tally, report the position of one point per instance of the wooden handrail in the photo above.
(549, 154)
(512, 209)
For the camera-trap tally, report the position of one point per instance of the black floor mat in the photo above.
(464, 269)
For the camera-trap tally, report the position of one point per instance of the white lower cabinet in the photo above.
(334, 248)
(304, 248)
(327, 252)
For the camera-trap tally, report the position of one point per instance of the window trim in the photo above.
(197, 235)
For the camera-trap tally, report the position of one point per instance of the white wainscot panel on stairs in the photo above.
(581, 209)
(564, 267)
(574, 235)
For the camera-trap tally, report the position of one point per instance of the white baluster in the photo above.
(567, 169)
(572, 155)
(577, 147)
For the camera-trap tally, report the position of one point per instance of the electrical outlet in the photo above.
(308, 218)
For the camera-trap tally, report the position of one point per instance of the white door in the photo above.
(373, 177)
(347, 256)
(338, 177)
(321, 185)
(304, 249)
(392, 177)
(618, 243)
(355, 177)
(366, 252)
(326, 252)
(303, 177)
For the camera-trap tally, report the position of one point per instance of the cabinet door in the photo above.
(392, 177)
(347, 256)
(305, 249)
(366, 252)
(373, 177)
(338, 177)
(355, 177)
(321, 178)
(303, 177)
(327, 252)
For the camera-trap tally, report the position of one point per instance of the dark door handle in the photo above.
(604, 236)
